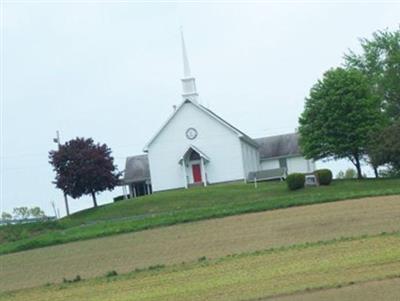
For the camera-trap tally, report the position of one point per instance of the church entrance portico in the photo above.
(194, 164)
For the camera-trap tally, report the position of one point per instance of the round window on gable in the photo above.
(191, 133)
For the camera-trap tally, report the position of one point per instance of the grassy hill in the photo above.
(234, 194)
(180, 206)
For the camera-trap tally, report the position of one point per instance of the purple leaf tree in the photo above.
(83, 167)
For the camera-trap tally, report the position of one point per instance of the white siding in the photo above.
(215, 140)
(299, 164)
(294, 164)
(269, 164)
(251, 158)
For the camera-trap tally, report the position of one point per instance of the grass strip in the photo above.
(326, 287)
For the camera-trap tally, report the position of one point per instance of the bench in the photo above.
(268, 174)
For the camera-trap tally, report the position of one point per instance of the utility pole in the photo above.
(57, 140)
(54, 209)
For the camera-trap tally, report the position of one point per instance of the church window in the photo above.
(283, 163)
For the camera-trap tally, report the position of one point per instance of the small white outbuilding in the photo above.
(197, 147)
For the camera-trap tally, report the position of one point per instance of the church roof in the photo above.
(136, 169)
(286, 145)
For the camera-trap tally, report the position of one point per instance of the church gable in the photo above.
(190, 116)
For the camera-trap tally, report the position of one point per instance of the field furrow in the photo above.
(386, 289)
(244, 277)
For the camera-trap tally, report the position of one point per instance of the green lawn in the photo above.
(251, 276)
(179, 206)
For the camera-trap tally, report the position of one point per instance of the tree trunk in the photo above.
(66, 203)
(358, 166)
(94, 199)
(376, 172)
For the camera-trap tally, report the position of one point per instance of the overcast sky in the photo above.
(111, 71)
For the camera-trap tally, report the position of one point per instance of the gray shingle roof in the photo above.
(136, 169)
(279, 146)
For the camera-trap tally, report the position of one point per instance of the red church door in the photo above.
(196, 173)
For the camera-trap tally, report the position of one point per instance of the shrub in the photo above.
(156, 267)
(76, 279)
(295, 181)
(350, 173)
(324, 176)
(119, 198)
(389, 173)
(112, 273)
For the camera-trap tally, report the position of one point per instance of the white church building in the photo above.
(197, 147)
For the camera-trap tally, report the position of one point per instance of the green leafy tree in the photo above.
(84, 167)
(376, 154)
(21, 212)
(6, 216)
(385, 146)
(36, 212)
(380, 62)
(339, 115)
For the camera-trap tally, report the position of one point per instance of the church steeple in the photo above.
(188, 81)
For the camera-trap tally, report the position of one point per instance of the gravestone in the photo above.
(311, 180)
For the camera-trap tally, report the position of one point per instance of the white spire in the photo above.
(186, 67)
(188, 82)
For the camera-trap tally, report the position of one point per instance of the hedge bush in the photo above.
(324, 176)
(119, 198)
(295, 181)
